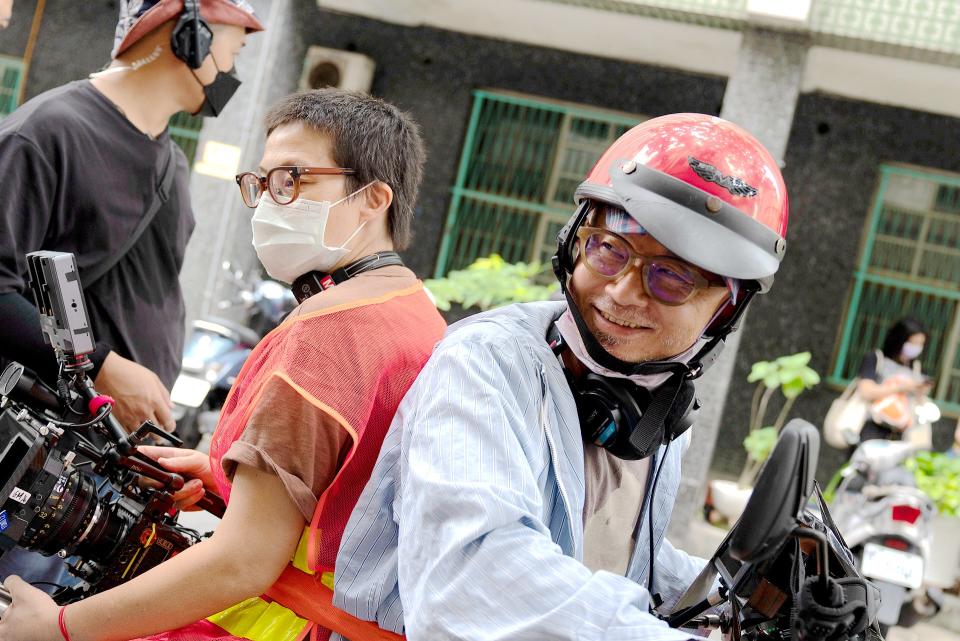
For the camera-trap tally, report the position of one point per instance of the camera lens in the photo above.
(75, 519)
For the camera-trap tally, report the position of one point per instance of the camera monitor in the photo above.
(55, 282)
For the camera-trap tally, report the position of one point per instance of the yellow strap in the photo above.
(259, 620)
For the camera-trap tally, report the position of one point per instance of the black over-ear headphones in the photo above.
(612, 410)
(192, 36)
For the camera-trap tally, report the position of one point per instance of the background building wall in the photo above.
(431, 73)
(75, 39)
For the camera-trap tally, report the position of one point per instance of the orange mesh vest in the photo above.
(355, 362)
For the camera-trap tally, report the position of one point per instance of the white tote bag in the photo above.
(845, 419)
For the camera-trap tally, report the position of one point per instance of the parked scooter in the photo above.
(217, 348)
(887, 522)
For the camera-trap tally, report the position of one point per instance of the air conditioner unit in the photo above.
(324, 67)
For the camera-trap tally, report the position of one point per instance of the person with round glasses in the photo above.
(526, 483)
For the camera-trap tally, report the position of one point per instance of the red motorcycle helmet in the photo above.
(702, 186)
(705, 189)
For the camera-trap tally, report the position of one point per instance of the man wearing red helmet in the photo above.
(90, 168)
(527, 480)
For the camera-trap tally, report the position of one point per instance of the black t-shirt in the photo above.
(869, 367)
(78, 177)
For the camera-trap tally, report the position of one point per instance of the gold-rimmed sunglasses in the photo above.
(672, 281)
(282, 183)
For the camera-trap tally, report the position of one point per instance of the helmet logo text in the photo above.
(736, 186)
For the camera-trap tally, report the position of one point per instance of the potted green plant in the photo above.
(790, 375)
(488, 283)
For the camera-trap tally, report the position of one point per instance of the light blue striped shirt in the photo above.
(471, 526)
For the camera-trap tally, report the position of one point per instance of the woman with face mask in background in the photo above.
(891, 381)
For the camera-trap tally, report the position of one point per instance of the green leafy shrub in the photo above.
(938, 476)
(491, 282)
(759, 443)
(791, 375)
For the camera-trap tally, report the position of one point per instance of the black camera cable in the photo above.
(653, 494)
(101, 415)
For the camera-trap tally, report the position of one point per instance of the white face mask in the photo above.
(289, 239)
(911, 351)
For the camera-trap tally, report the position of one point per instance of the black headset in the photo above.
(624, 418)
(192, 37)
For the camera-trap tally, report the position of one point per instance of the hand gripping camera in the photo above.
(71, 480)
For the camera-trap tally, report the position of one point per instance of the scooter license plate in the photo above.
(895, 566)
(189, 391)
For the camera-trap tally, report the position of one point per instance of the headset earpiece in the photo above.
(192, 37)
(604, 407)
(610, 412)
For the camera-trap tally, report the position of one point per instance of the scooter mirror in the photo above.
(782, 489)
(781, 492)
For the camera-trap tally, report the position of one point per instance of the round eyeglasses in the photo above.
(283, 183)
(669, 280)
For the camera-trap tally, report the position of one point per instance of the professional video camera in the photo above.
(71, 480)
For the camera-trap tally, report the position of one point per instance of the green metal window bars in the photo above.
(185, 131)
(11, 76)
(522, 159)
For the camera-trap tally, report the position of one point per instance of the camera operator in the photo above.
(90, 168)
(299, 434)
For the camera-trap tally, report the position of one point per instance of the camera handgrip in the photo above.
(23, 386)
(212, 504)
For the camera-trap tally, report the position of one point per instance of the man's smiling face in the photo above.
(627, 322)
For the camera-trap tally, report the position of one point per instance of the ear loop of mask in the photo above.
(343, 245)
(215, 66)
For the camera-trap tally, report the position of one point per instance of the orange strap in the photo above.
(313, 601)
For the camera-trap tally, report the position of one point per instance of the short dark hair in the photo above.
(370, 136)
(899, 333)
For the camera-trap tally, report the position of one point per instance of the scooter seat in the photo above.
(228, 328)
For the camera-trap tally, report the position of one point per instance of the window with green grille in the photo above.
(909, 266)
(522, 159)
(11, 76)
(185, 131)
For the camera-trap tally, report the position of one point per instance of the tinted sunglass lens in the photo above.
(605, 254)
(668, 283)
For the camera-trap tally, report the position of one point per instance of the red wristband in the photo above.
(63, 624)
